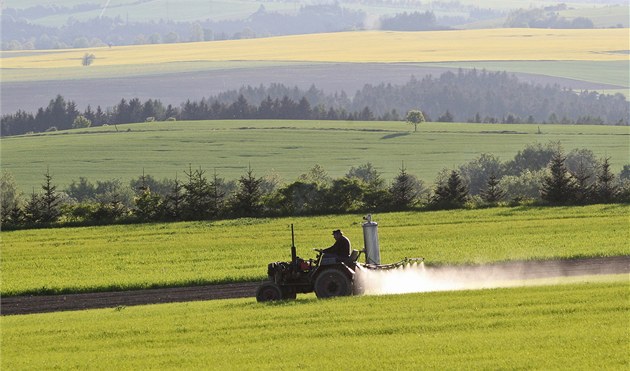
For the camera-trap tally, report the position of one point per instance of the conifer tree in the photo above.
(558, 187)
(492, 193)
(33, 209)
(606, 190)
(217, 196)
(50, 200)
(403, 191)
(197, 203)
(175, 200)
(248, 198)
(450, 194)
(583, 187)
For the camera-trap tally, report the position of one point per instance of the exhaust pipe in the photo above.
(293, 252)
(370, 240)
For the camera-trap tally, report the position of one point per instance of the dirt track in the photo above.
(53, 303)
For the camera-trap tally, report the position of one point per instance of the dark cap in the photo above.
(337, 231)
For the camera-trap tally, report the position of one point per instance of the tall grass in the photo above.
(579, 326)
(176, 254)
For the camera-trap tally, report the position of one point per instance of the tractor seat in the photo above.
(354, 256)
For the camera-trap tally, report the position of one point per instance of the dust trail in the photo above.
(420, 278)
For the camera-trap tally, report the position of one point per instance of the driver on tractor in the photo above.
(341, 250)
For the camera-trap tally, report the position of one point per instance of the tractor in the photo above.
(326, 275)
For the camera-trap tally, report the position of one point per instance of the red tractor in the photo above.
(326, 275)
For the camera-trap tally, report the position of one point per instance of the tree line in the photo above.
(538, 174)
(101, 31)
(21, 34)
(465, 96)
(546, 17)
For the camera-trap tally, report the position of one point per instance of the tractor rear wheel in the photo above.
(332, 282)
(268, 291)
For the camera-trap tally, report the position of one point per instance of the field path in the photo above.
(54, 303)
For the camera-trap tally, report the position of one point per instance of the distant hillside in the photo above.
(31, 25)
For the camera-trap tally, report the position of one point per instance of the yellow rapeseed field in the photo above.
(365, 46)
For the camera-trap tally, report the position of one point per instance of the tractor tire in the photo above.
(268, 291)
(332, 282)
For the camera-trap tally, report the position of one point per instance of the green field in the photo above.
(178, 254)
(613, 73)
(286, 148)
(578, 326)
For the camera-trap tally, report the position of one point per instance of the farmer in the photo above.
(342, 247)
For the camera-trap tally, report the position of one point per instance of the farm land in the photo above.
(576, 59)
(583, 325)
(549, 327)
(538, 327)
(179, 254)
(286, 148)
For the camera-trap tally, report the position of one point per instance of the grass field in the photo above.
(579, 326)
(614, 72)
(288, 148)
(176, 254)
(607, 16)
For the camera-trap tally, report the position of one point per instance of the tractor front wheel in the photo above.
(268, 291)
(332, 282)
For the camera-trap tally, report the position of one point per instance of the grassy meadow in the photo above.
(580, 326)
(178, 254)
(285, 148)
(611, 72)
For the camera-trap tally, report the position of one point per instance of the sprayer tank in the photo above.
(370, 239)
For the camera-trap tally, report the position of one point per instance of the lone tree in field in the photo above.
(87, 59)
(415, 117)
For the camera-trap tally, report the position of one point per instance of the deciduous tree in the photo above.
(415, 117)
